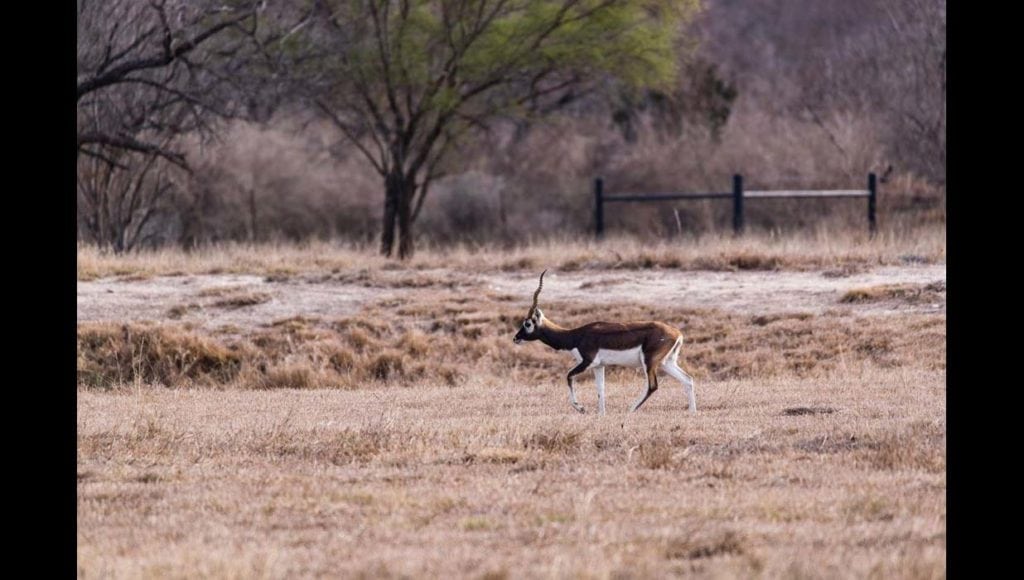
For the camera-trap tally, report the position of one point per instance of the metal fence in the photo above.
(738, 196)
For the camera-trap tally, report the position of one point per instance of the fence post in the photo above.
(599, 207)
(737, 204)
(872, 204)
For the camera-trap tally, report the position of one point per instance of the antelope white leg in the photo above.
(599, 379)
(672, 368)
(637, 402)
(647, 390)
(572, 397)
(640, 401)
(579, 368)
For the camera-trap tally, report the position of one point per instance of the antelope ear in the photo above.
(538, 315)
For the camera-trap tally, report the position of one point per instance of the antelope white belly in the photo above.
(624, 358)
(632, 357)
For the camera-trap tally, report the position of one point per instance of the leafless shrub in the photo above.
(120, 201)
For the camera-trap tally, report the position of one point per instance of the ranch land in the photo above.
(319, 411)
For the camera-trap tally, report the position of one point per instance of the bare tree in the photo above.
(148, 70)
(883, 60)
(149, 73)
(913, 41)
(119, 197)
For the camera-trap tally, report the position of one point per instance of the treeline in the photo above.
(388, 122)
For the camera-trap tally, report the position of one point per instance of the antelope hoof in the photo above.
(579, 408)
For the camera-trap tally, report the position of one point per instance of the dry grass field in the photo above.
(319, 412)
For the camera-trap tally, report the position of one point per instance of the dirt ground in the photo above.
(114, 299)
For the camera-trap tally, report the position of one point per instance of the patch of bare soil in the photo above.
(745, 292)
(216, 301)
(200, 299)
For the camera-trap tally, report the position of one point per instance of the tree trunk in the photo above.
(405, 246)
(392, 193)
(103, 219)
(252, 215)
(398, 196)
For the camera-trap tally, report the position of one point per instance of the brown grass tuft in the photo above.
(911, 293)
(341, 359)
(919, 446)
(655, 454)
(499, 455)
(387, 366)
(242, 300)
(754, 261)
(695, 547)
(110, 355)
(766, 319)
(556, 441)
(288, 377)
(176, 312)
(414, 343)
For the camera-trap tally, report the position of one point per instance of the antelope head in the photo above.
(534, 318)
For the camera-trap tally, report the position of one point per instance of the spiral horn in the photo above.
(537, 293)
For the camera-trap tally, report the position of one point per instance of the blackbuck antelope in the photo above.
(646, 345)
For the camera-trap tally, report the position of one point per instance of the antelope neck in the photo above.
(556, 337)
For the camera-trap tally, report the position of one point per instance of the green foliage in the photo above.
(405, 79)
(444, 55)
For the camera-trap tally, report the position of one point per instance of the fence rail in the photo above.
(809, 193)
(663, 196)
(738, 195)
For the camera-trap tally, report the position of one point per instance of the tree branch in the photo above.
(131, 144)
(117, 73)
(379, 165)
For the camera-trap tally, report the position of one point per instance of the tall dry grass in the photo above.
(441, 341)
(501, 479)
(816, 249)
